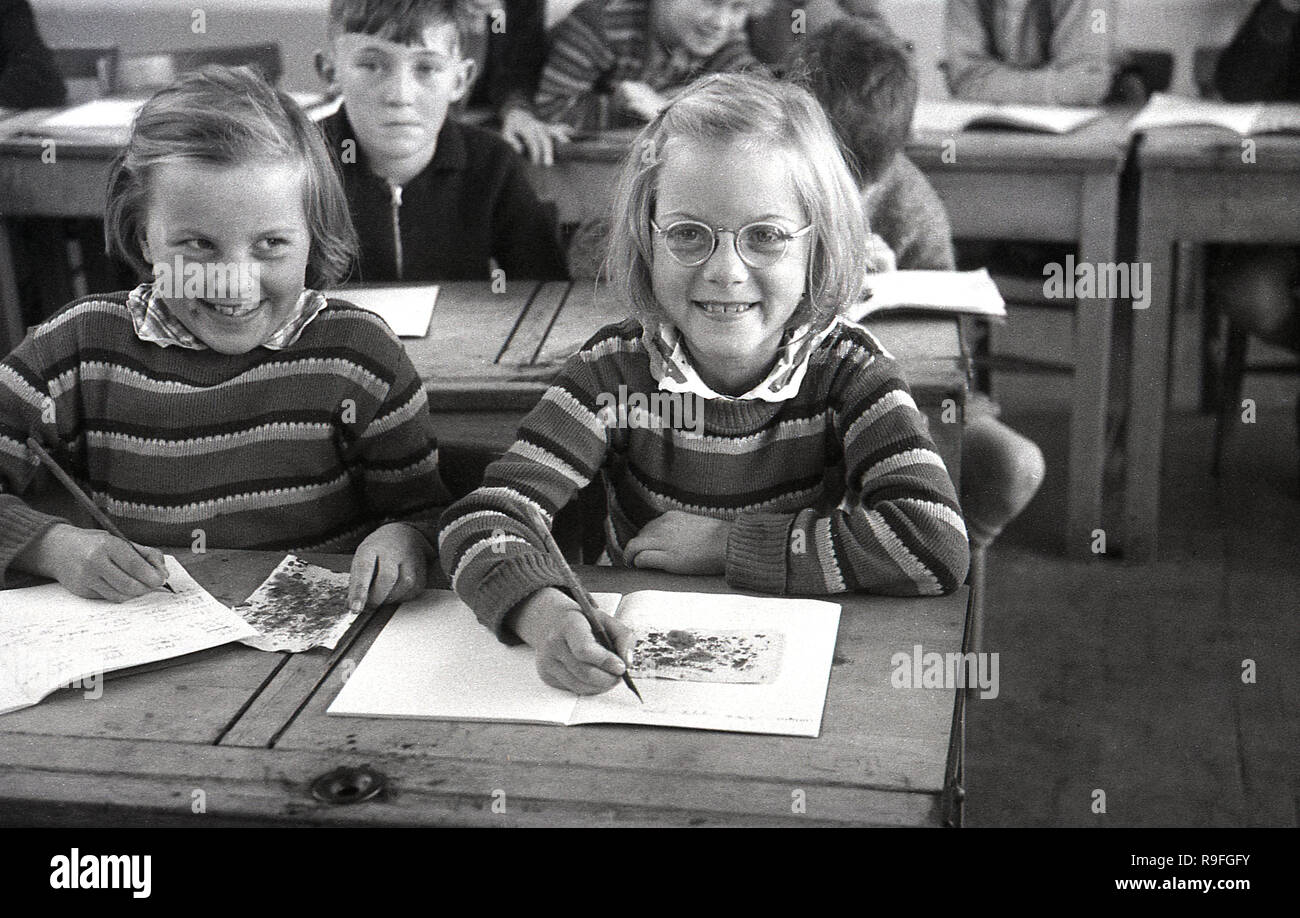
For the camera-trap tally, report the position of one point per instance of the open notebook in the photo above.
(710, 661)
(51, 639)
(1245, 118)
(946, 116)
(961, 292)
(407, 308)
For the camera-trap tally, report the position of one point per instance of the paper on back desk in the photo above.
(435, 660)
(408, 309)
(50, 637)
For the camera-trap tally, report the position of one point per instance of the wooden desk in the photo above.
(245, 733)
(477, 404)
(995, 185)
(1195, 188)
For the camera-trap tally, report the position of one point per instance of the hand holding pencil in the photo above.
(88, 562)
(579, 647)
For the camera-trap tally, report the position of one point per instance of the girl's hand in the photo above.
(391, 565)
(639, 99)
(530, 135)
(94, 564)
(681, 543)
(568, 656)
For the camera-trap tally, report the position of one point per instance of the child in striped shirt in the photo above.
(741, 426)
(637, 53)
(227, 404)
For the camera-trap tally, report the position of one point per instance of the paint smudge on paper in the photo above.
(708, 656)
(298, 607)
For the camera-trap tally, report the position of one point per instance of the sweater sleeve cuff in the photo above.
(508, 584)
(756, 552)
(20, 525)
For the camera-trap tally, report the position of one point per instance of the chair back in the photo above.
(140, 74)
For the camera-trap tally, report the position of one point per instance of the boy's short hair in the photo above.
(228, 116)
(776, 119)
(864, 77)
(399, 21)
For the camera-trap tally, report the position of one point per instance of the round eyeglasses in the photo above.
(759, 245)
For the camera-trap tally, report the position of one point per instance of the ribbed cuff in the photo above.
(756, 552)
(20, 525)
(509, 583)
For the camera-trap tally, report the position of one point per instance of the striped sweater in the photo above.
(306, 448)
(836, 489)
(604, 42)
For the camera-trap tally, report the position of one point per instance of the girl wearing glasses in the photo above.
(737, 244)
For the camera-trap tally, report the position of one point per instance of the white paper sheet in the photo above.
(434, 660)
(50, 638)
(407, 308)
(946, 116)
(1169, 110)
(967, 292)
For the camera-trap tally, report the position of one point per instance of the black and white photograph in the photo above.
(651, 413)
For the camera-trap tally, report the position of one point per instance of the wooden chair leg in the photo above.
(1234, 369)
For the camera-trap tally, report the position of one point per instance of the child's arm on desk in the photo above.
(568, 656)
(395, 453)
(88, 562)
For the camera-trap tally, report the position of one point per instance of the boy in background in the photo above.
(28, 77)
(864, 78)
(431, 199)
(1048, 52)
(638, 52)
(1259, 286)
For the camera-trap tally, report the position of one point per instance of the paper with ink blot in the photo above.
(691, 655)
(50, 638)
(298, 607)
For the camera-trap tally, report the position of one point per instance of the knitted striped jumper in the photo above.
(836, 489)
(307, 448)
(604, 42)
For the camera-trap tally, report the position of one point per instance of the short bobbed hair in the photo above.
(864, 77)
(229, 116)
(775, 119)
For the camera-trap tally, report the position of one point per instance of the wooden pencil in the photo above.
(580, 594)
(86, 503)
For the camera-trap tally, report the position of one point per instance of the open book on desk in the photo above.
(1244, 118)
(948, 116)
(51, 639)
(710, 661)
(407, 308)
(953, 292)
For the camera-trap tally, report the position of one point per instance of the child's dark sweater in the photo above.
(471, 204)
(28, 77)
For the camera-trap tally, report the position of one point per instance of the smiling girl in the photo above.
(228, 403)
(737, 246)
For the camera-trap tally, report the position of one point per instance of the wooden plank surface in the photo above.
(106, 781)
(872, 735)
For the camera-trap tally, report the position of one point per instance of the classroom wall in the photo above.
(1179, 26)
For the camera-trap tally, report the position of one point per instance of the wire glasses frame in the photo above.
(759, 245)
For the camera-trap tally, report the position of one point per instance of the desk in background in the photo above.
(1195, 188)
(242, 734)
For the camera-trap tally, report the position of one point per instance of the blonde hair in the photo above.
(767, 116)
(229, 116)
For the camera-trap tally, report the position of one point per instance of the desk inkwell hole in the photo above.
(346, 785)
